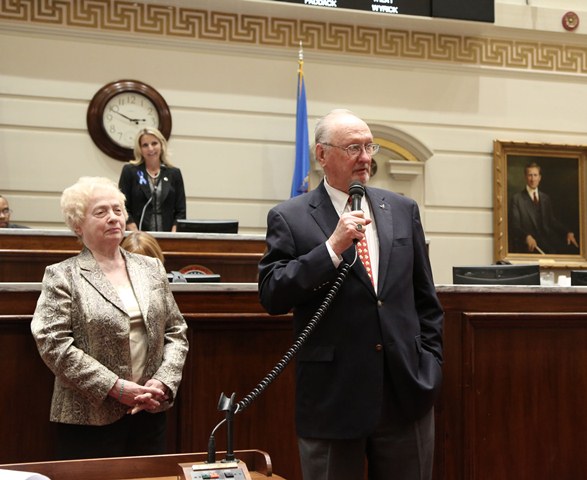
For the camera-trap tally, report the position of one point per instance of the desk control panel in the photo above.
(215, 471)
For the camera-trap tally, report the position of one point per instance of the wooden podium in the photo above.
(161, 467)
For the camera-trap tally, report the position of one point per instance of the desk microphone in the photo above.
(145, 207)
(225, 404)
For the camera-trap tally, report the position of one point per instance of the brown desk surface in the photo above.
(155, 467)
(254, 476)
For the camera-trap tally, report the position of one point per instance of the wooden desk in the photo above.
(511, 406)
(24, 253)
(161, 467)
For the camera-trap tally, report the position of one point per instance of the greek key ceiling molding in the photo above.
(169, 22)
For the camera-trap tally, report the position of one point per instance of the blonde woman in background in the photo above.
(154, 189)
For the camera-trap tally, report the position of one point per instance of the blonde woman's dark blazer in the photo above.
(82, 332)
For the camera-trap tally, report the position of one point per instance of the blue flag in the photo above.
(301, 174)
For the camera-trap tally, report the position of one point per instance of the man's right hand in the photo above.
(346, 230)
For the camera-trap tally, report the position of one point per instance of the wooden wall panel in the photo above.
(27, 385)
(525, 401)
(507, 372)
(232, 355)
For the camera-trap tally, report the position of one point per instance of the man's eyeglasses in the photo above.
(5, 212)
(355, 149)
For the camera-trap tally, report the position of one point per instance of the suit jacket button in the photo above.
(378, 347)
(379, 303)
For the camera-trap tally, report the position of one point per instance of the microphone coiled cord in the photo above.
(287, 357)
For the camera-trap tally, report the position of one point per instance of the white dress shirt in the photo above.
(341, 204)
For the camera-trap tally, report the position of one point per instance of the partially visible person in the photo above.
(368, 375)
(154, 189)
(534, 225)
(107, 325)
(143, 243)
(5, 213)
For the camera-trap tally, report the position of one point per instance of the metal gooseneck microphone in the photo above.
(153, 195)
(227, 405)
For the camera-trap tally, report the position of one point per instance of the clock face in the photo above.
(119, 110)
(125, 114)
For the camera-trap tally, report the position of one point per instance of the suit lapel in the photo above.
(92, 272)
(381, 213)
(164, 184)
(143, 180)
(323, 211)
(140, 285)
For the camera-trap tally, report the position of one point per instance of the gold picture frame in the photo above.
(539, 230)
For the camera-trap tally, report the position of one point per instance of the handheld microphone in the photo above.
(357, 192)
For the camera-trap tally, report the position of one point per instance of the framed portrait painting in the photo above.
(539, 203)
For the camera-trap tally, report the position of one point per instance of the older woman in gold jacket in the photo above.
(108, 327)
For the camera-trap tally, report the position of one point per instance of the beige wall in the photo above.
(444, 87)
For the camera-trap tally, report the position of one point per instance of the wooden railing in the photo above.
(167, 467)
(24, 253)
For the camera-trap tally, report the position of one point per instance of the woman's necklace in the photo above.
(154, 176)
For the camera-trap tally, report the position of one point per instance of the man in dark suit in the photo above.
(534, 226)
(368, 375)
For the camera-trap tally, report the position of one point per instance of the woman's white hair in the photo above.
(75, 199)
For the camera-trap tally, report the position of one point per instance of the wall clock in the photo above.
(119, 110)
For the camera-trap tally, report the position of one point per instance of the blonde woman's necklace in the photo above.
(154, 176)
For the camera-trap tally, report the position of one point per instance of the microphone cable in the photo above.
(280, 366)
(299, 342)
(211, 457)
